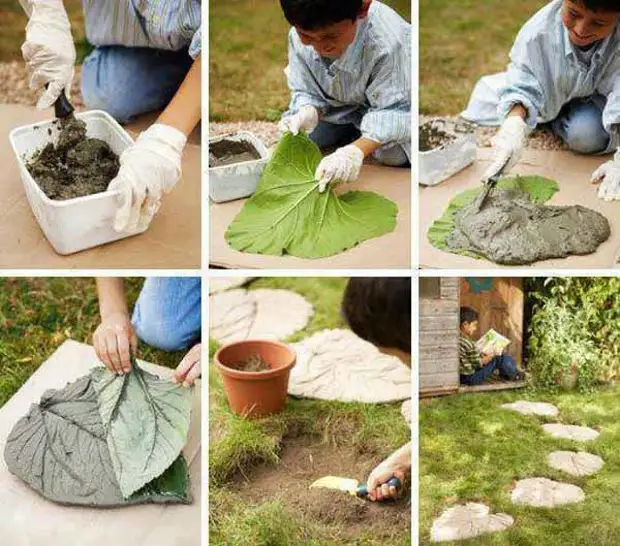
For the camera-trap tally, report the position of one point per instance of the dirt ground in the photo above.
(304, 460)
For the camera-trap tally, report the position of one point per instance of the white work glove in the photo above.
(343, 166)
(149, 168)
(608, 175)
(48, 50)
(306, 119)
(507, 145)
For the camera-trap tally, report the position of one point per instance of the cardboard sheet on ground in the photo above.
(571, 171)
(388, 251)
(171, 242)
(20, 506)
(338, 365)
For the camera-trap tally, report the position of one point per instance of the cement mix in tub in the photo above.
(512, 230)
(432, 136)
(76, 165)
(227, 152)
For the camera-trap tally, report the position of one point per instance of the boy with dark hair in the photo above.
(474, 367)
(564, 70)
(379, 311)
(349, 73)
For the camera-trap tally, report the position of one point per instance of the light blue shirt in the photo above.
(369, 85)
(546, 71)
(159, 24)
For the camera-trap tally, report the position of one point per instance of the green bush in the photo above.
(573, 331)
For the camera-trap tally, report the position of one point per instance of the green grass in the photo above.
(237, 445)
(38, 314)
(471, 450)
(13, 29)
(247, 55)
(460, 41)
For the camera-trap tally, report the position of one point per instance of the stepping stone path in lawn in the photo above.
(533, 408)
(220, 284)
(571, 432)
(264, 313)
(576, 464)
(546, 493)
(468, 521)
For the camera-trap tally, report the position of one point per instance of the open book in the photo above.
(492, 343)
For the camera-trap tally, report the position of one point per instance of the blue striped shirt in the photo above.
(547, 71)
(369, 85)
(159, 24)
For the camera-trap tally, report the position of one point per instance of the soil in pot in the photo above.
(432, 137)
(76, 165)
(226, 152)
(253, 363)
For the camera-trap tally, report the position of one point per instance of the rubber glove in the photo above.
(48, 50)
(343, 166)
(608, 175)
(306, 119)
(508, 145)
(149, 168)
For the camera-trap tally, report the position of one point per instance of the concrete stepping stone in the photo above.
(533, 408)
(468, 521)
(220, 284)
(265, 313)
(575, 464)
(546, 493)
(405, 411)
(571, 432)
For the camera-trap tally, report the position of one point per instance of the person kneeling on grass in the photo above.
(474, 367)
(564, 70)
(167, 316)
(349, 71)
(379, 311)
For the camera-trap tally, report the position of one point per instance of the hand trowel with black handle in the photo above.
(489, 184)
(349, 485)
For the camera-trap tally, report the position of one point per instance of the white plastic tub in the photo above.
(74, 224)
(441, 163)
(239, 180)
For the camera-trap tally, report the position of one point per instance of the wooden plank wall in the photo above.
(439, 335)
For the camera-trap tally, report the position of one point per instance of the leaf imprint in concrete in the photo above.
(265, 314)
(533, 408)
(467, 521)
(220, 284)
(546, 493)
(576, 464)
(571, 432)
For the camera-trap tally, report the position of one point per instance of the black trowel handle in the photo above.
(362, 490)
(62, 107)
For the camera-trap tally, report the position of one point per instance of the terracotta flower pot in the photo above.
(256, 394)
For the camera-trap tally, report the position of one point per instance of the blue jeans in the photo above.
(333, 135)
(128, 81)
(167, 313)
(580, 126)
(504, 363)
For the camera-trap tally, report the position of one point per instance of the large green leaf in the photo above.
(59, 449)
(539, 189)
(146, 420)
(288, 215)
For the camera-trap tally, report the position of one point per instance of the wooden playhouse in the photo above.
(499, 303)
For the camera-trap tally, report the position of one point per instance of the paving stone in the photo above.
(571, 432)
(468, 521)
(546, 493)
(576, 464)
(533, 408)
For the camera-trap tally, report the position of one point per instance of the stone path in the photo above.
(473, 519)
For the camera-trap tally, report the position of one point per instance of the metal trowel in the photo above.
(489, 184)
(349, 485)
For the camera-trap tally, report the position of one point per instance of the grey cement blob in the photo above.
(533, 408)
(226, 152)
(546, 493)
(511, 230)
(468, 521)
(571, 432)
(575, 464)
(59, 449)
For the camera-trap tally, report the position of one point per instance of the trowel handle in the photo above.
(62, 106)
(362, 490)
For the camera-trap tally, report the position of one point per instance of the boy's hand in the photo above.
(149, 168)
(343, 166)
(48, 50)
(305, 120)
(608, 175)
(190, 368)
(508, 146)
(398, 464)
(115, 342)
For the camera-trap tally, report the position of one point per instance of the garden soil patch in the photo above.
(303, 461)
(76, 165)
(227, 152)
(254, 363)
